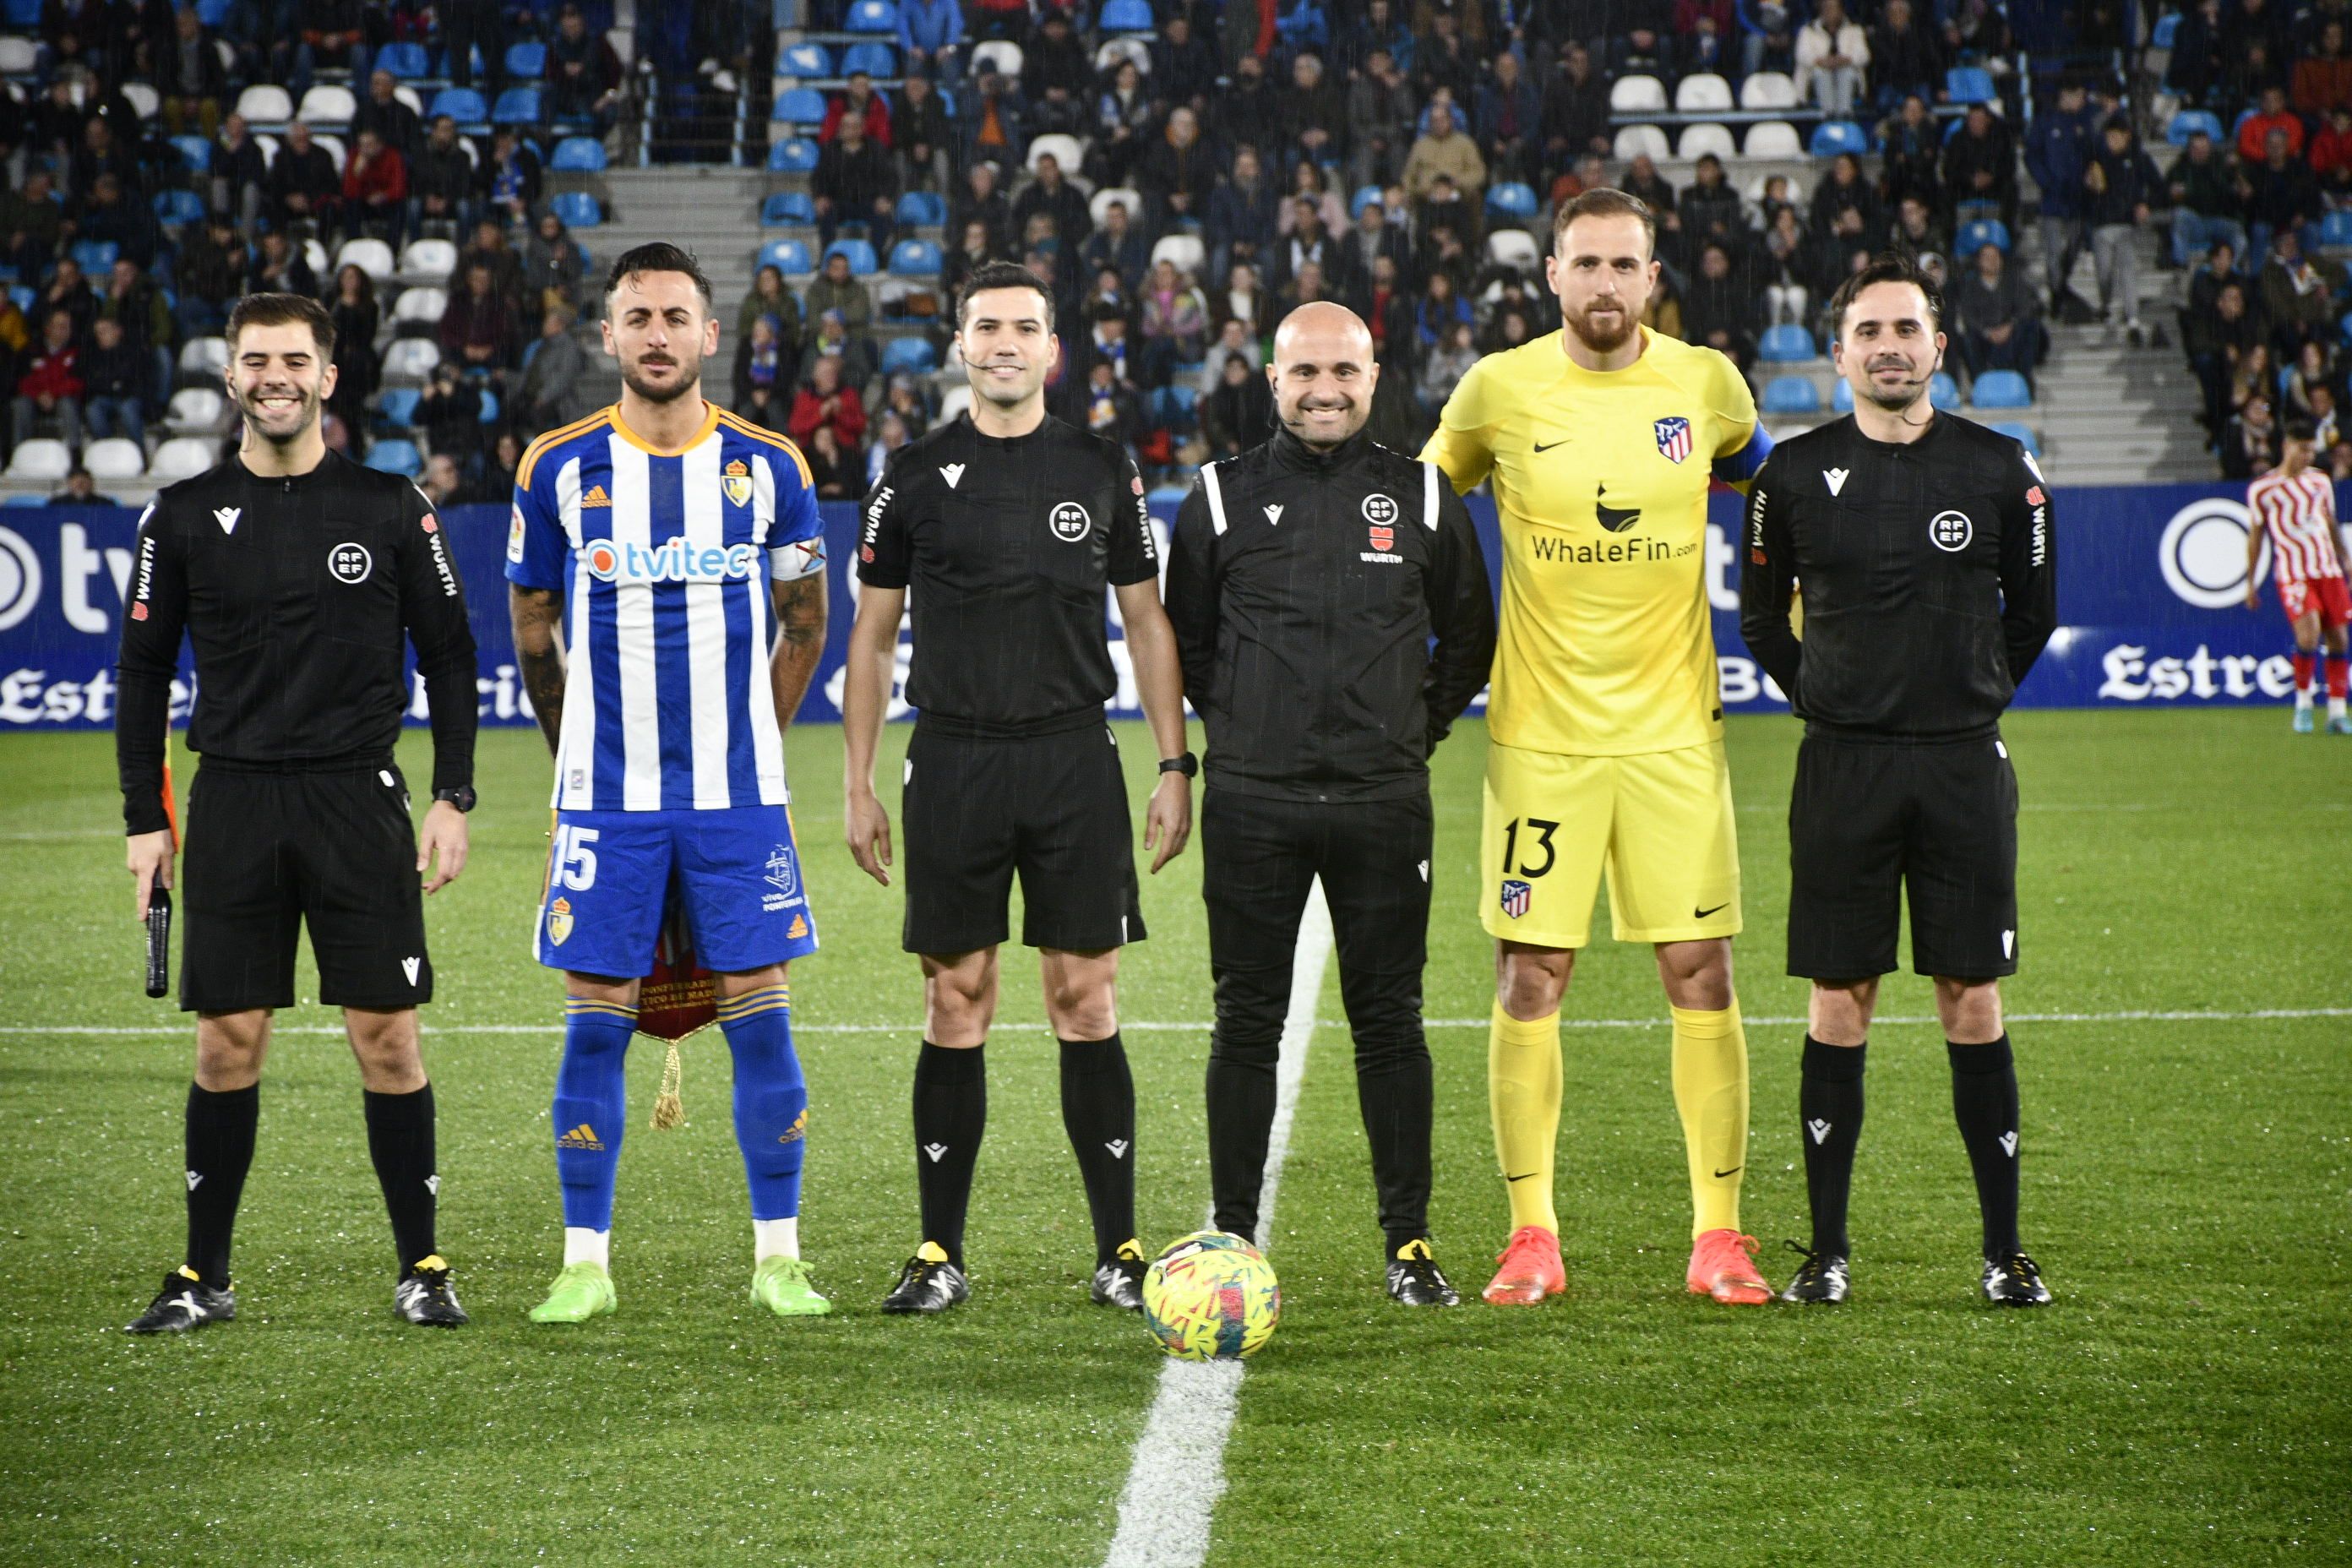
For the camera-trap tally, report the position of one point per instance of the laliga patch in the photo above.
(515, 537)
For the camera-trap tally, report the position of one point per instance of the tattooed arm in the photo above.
(538, 617)
(800, 623)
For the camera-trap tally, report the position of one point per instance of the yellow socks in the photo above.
(1523, 1089)
(1711, 1092)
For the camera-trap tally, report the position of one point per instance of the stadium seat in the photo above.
(333, 147)
(427, 261)
(144, 100)
(1943, 392)
(1002, 56)
(489, 415)
(2000, 389)
(2189, 122)
(1067, 151)
(915, 258)
(909, 356)
(115, 457)
(799, 106)
(1842, 397)
(1126, 16)
(578, 155)
(179, 207)
(410, 362)
(872, 16)
(1515, 249)
(22, 296)
(2335, 232)
(922, 209)
(372, 256)
(2167, 28)
(1638, 141)
(578, 209)
(462, 104)
(40, 459)
(95, 257)
(19, 56)
(328, 105)
(395, 406)
(792, 155)
(862, 261)
(786, 208)
(1637, 94)
(405, 61)
(1767, 90)
(1969, 84)
(1511, 198)
(789, 257)
(2021, 434)
(1702, 92)
(874, 60)
(195, 153)
(423, 304)
(182, 456)
(1100, 204)
(1697, 140)
(1365, 197)
(197, 410)
(264, 105)
(517, 106)
(203, 359)
(1831, 137)
(526, 61)
(1785, 343)
(393, 455)
(805, 60)
(1791, 395)
(955, 402)
(1975, 237)
(1111, 51)
(1184, 249)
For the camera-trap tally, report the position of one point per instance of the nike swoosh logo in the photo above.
(1523, 1176)
(1702, 914)
(1733, 1172)
(1548, 445)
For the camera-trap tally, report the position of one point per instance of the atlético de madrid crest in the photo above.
(1673, 437)
(737, 482)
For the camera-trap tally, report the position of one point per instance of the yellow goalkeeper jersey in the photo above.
(1600, 478)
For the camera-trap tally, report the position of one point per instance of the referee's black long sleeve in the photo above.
(156, 615)
(2028, 580)
(1767, 579)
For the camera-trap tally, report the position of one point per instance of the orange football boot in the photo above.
(1530, 1269)
(1723, 1266)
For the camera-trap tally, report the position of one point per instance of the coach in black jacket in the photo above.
(1306, 581)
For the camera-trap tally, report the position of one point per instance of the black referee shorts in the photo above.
(1052, 807)
(269, 852)
(1867, 820)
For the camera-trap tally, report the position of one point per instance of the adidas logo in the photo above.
(952, 473)
(1818, 1129)
(799, 929)
(595, 497)
(935, 1151)
(797, 1131)
(1117, 1147)
(581, 1136)
(2009, 1144)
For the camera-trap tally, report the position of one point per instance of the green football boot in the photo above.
(583, 1290)
(782, 1284)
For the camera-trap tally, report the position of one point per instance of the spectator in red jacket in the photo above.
(862, 102)
(478, 330)
(825, 402)
(2273, 115)
(51, 387)
(375, 188)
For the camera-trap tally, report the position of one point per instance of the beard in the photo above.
(1602, 339)
(689, 379)
(305, 415)
(1903, 395)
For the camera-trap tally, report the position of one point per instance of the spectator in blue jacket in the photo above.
(930, 37)
(2058, 154)
(1509, 117)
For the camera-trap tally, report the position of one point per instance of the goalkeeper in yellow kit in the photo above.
(1606, 722)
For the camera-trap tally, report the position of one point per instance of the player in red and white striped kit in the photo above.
(2295, 504)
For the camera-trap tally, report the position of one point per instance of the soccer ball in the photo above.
(1211, 1297)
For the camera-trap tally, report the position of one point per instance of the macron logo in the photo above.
(409, 966)
(226, 516)
(1274, 515)
(1817, 1128)
(2009, 1144)
(935, 1151)
(1117, 1147)
(1835, 478)
(952, 473)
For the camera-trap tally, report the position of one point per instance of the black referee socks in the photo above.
(951, 1114)
(1098, 1113)
(400, 1142)
(1984, 1102)
(1829, 1106)
(220, 1151)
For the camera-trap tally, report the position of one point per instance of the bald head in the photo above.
(1323, 373)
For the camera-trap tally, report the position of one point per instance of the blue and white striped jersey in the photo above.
(664, 559)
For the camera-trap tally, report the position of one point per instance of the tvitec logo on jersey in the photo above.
(611, 561)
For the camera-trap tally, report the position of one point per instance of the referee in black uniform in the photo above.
(299, 577)
(1923, 545)
(1009, 527)
(1334, 616)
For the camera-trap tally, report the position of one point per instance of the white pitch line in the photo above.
(552, 1027)
(1178, 1471)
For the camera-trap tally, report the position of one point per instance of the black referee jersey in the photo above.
(298, 594)
(1006, 547)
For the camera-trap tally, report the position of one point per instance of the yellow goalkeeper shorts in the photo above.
(1659, 823)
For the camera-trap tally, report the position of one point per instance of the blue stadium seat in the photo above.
(1791, 395)
(786, 208)
(526, 61)
(94, 255)
(489, 406)
(799, 106)
(23, 14)
(915, 258)
(579, 155)
(1365, 196)
(922, 209)
(1512, 198)
(2021, 434)
(805, 60)
(179, 207)
(22, 296)
(195, 153)
(2336, 231)
(2189, 122)
(1969, 84)
(1173, 406)
(395, 456)
(874, 60)
(395, 406)
(517, 106)
(909, 356)
(578, 209)
(2167, 27)
(1831, 137)
(1785, 343)
(1975, 237)
(2001, 389)
(862, 261)
(792, 155)
(1943, 392)
(1842, 397)
(462, 104)
(1127, 16)
(212, 12)
(789, 257)
(872, 16)
(406, 62)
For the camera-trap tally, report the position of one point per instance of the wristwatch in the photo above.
(1188, 765)
(462, 797)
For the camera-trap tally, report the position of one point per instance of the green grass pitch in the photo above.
(2188, 1190)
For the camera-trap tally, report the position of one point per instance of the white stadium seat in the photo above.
(410, 362)
(372, 256)
(1067, 151)
(1706, 137)
(1635, 140)
(262, 104)
(1702, 92)
(197, 410)
(1184, 249)
(423, 304)
(1099, 205)
(115, 457)
(427, 261)
(144, 100)
(1773, 139)
(1769, 90)
(203, 358)
(40, 459)
(1513, 248)
(1637, 94)
(182, 456)
(328, 105)
(1000, 55)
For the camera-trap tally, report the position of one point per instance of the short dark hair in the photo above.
(2302, 429)
(1003, 275)
(1887, 267)
(281, 310)
(1605, 200)
(659, 256)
